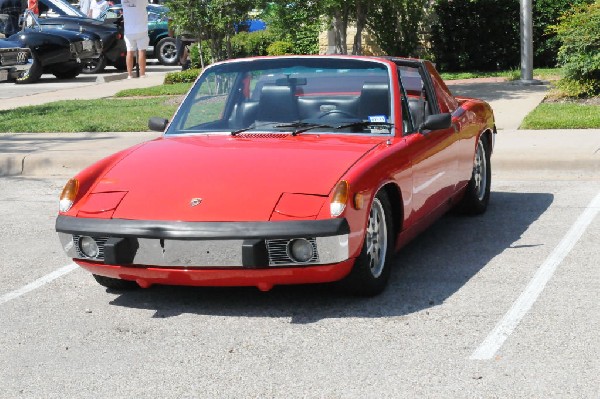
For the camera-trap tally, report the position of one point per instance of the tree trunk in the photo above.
(361, 19)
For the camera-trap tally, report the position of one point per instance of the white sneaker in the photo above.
(129, 77)
(143, 76)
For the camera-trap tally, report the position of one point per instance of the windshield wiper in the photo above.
(365, 124)
(305, 127)
(252, 126)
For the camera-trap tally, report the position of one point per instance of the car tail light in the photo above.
(68, 195)
(339, 199)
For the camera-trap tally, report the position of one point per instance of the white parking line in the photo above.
(519, 309)
(38, 283)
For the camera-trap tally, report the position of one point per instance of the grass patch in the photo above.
(538, 73)
(175, 89)
(104, 115)
(563, 116)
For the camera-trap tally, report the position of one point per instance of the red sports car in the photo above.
(283, 170)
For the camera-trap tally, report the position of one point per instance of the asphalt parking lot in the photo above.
(498, 306)
(65, 336)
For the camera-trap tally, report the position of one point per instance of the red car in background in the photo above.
(283, 170)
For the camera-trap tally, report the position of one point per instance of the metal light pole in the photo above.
(527, 44)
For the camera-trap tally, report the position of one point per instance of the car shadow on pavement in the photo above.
(426, 273)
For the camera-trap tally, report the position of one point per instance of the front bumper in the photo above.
(204, 245)
(14, 63)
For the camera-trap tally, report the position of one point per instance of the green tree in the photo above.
(210, 21)
(298, 23)
(546, 14)
(396, 25)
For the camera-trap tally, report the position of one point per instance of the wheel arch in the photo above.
(394, 194)
(489, 135)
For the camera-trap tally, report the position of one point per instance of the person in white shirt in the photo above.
(84, 6)
(135, 21)
(96, 8)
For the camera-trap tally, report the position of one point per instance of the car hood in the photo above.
(230, 178)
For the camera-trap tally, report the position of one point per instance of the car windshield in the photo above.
(289, 94)
(60, 8)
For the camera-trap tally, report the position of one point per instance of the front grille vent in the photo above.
(100, 241)
(279, 255)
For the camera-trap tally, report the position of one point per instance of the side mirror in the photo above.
(436, 122)
(157, 124)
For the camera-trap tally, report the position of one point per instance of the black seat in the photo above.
(277, 104)
(374, 100)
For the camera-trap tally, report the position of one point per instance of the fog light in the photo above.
(88, 247)
(300, 250)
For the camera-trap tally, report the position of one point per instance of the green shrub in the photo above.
(280, 48)
(251, 44)
(188, 76)
(195, 55)
(480, 35)
(579, 54)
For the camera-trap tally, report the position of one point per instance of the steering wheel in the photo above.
(337, 113)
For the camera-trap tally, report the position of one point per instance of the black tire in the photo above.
(68, 74)
(166, 51)
(115, 283)
(96, 65)
(372, 268)
(33, 75)
(477, 195)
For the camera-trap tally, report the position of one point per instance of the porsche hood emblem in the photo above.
(195, 202)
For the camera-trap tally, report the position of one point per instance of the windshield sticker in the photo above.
(377, 118)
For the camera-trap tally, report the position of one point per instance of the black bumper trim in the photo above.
(200, 230)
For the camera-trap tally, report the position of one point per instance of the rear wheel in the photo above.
(371, 271)
(166, 51)
(477, 195)
(116, 283)
(120, 64)
(33, 75)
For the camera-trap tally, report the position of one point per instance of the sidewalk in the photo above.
(104, 86)
(565, 153)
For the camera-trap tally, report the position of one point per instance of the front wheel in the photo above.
(115, 283)
(477, 194)
(94, 65)
(33, 74)
(372, 268)
(166, 51)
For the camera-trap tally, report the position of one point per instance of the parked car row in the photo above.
(65, 43)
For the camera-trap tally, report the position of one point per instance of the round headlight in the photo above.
(300, 250)
(88, 247)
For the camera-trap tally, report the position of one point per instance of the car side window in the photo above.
(419, 97)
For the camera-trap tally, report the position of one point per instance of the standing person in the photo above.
(84, 7)
(12, 8)
(135, 21)
(96, 8)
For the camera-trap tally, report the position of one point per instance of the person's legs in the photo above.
(142, 45)
(129, 61)
(142, 62)
(130, 43)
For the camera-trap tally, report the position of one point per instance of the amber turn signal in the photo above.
(68, 195)
(339, 199)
